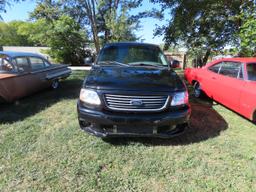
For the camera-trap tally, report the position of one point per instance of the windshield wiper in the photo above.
(146, 64)
(112, 62)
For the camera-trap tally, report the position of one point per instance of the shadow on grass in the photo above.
(28, 106)
(205, 123)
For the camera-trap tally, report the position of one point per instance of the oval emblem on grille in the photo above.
(136, 102)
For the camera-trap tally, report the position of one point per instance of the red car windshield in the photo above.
(251, 71)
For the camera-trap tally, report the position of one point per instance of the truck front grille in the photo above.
(136, 102)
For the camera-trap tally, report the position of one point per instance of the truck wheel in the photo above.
(197, 90)
(55, 84)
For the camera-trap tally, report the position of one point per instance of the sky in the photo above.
(20, 11)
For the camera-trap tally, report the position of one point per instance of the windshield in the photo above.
(5, 63)
(132, 55)
(251, 71)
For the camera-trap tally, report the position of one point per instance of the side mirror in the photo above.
(88, 60)
(175, 64)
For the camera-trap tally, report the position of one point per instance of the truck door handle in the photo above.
(214, 78)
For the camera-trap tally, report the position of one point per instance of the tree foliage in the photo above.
(117, 25)
(62, 33)
(11, 35)
(103, 20)
(247, 32)
(108, 20)
(64, 37)
(205, 25)
(47, 9)
(66, 40)
(35, 32)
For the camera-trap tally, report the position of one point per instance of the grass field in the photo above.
(43, 149)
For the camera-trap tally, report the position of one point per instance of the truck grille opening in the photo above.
(136, 102)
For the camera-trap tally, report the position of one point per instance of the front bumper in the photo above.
(115, 124)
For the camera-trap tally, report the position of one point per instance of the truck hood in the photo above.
(157, 79)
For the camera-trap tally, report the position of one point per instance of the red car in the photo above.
(231, 82)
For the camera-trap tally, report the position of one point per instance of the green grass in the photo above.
(43, 149)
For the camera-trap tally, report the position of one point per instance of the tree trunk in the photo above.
(184, 61)
(106, 36)
(91, 11)
(95, 37)
(95, 30)
(206, 57)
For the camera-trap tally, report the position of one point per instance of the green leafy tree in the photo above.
(47, 9)
(247, 32)
(10, 36)
(103, 20)
(119, 28)
(116, 22)
(108, 20)
(207, 25)
(36, 32)
(53, 27)
(66, 40)
(82, 11)
(64, 37)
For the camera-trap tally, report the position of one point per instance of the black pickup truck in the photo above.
(132, 91)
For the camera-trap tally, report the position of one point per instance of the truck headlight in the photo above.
(90, 97)
(180, 98)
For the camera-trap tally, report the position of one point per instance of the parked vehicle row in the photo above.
(132, 89)
(24, 73)
(231, 82)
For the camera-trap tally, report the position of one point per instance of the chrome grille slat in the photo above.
(149, 99)
(122, 99)
(124, 102)
(132, 105)
(135, 106)
(140, 96)
(134, 109)
(120, 104)
(117, 102)
(128, 101)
